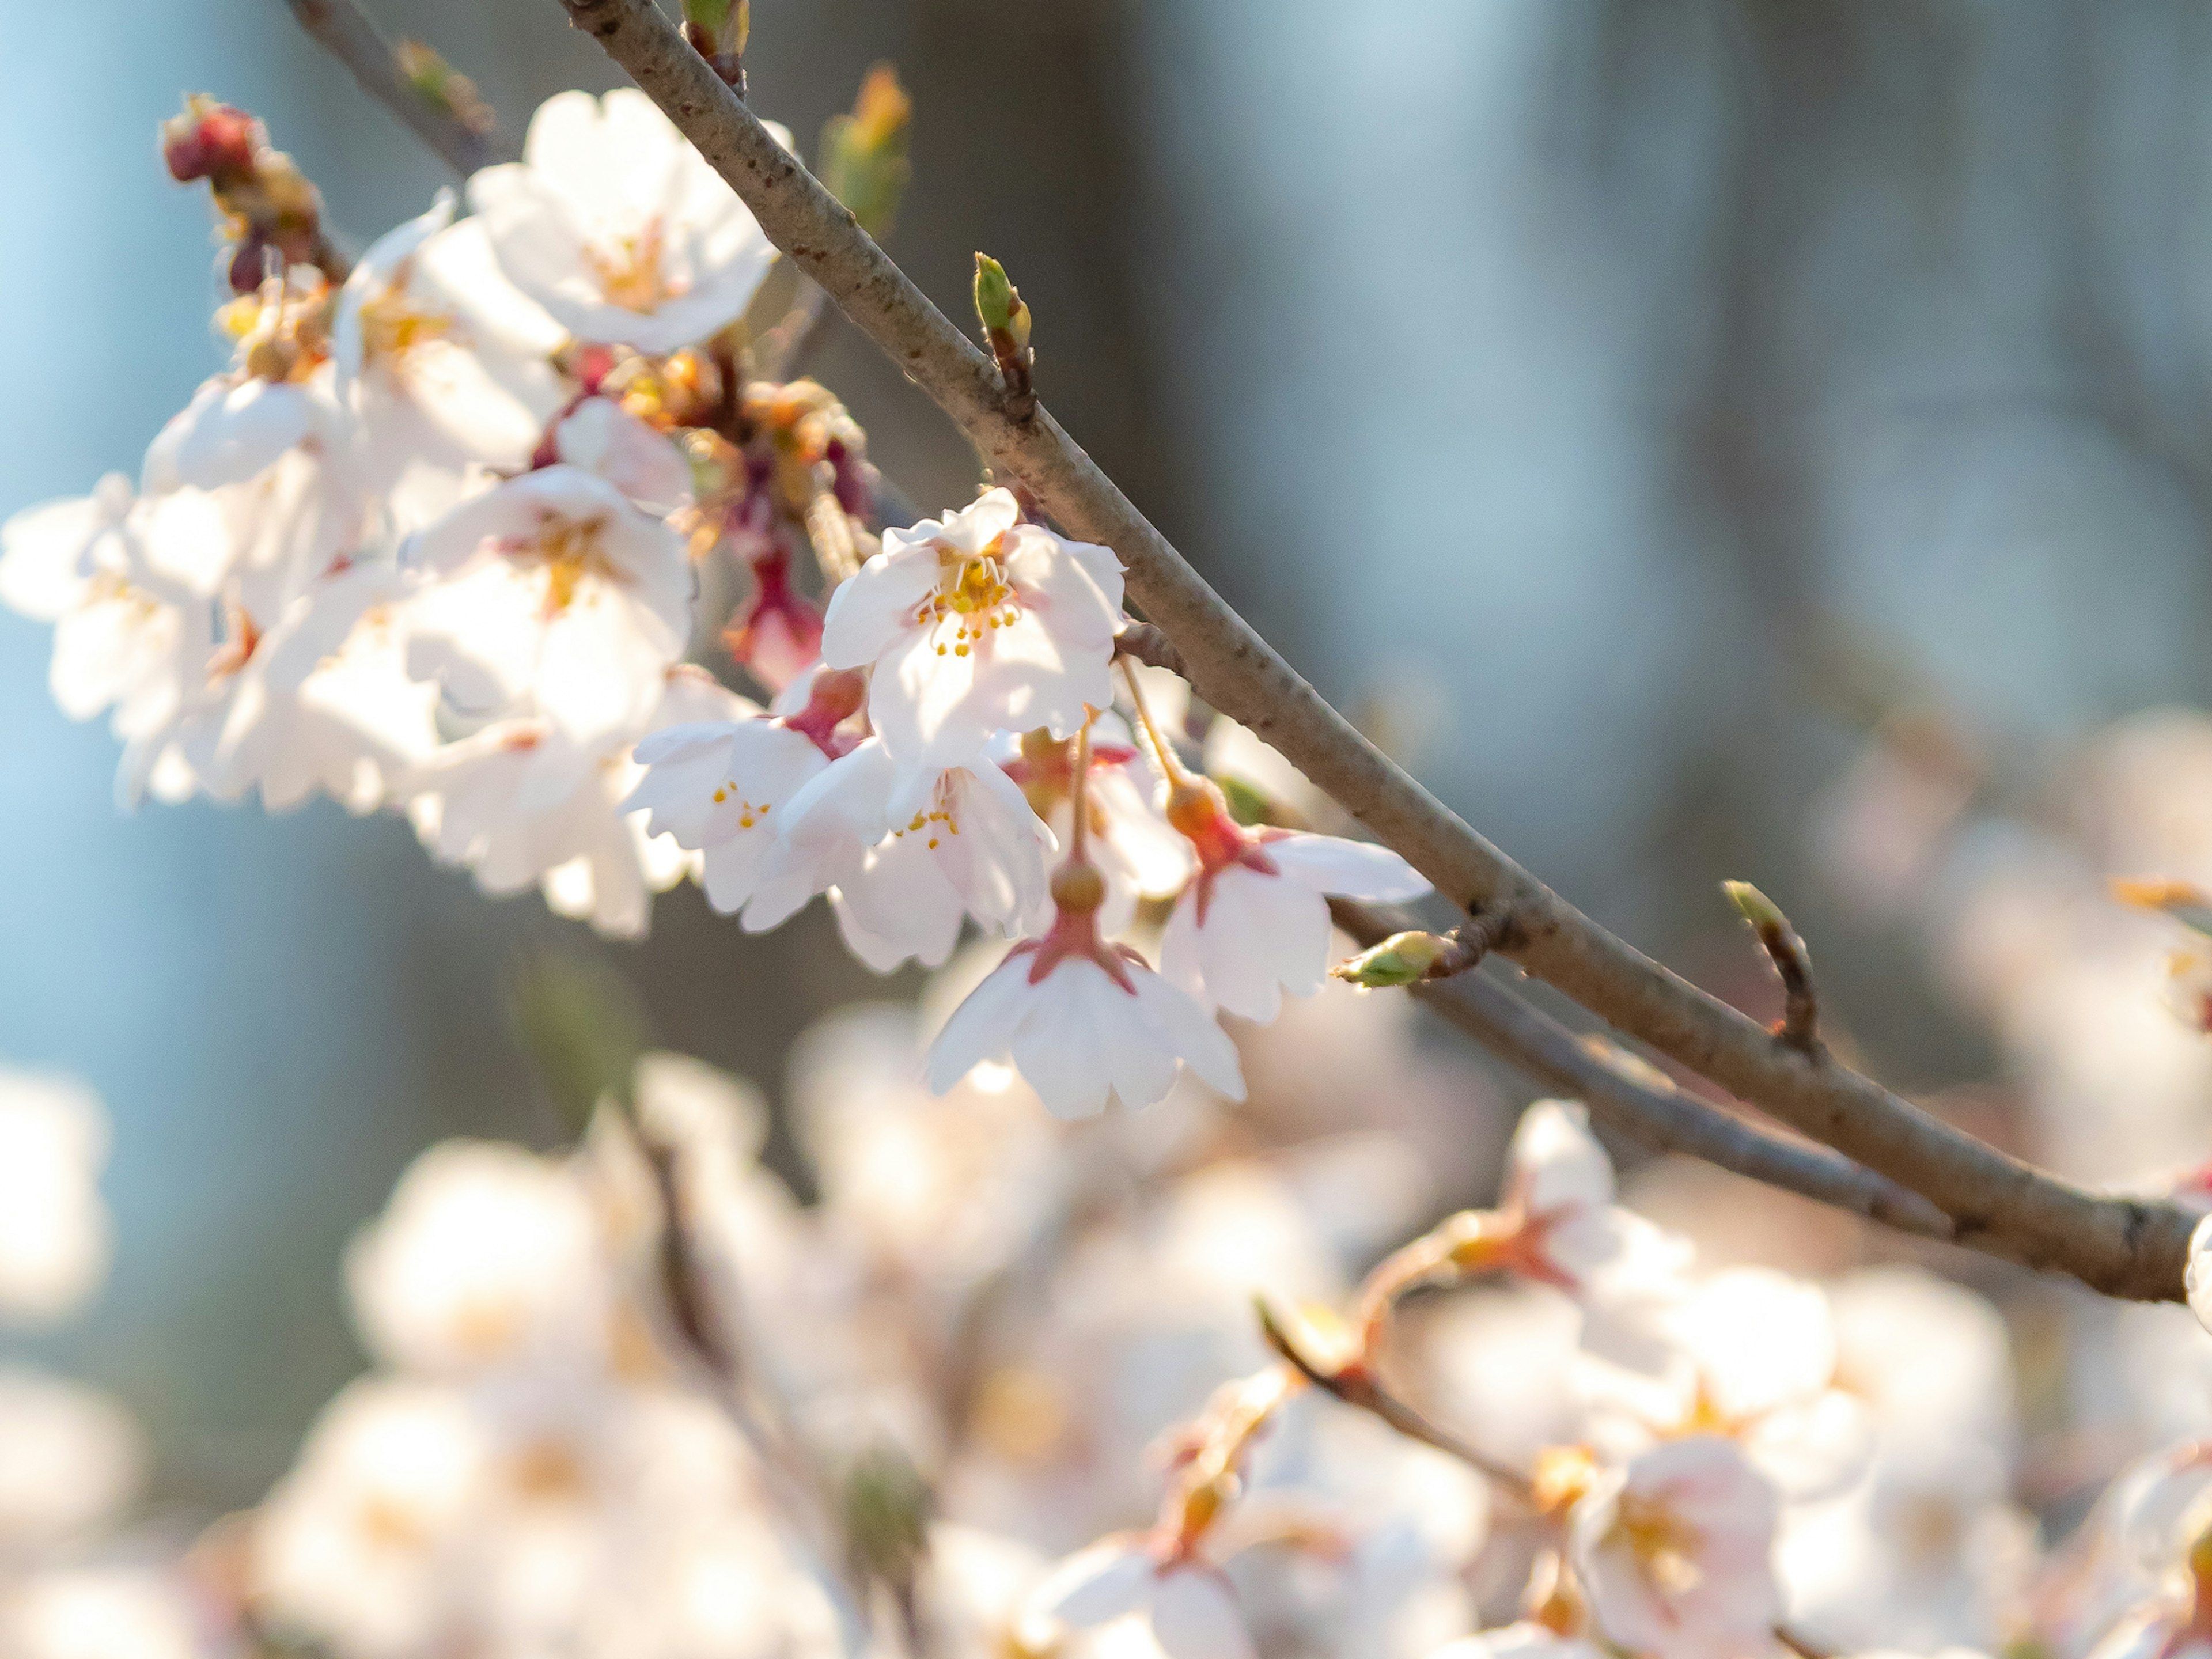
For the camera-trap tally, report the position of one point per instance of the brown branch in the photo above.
(346, 33)
(1642, 1103)
(2121, 1246)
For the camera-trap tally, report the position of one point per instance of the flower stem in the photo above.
(1163, 754)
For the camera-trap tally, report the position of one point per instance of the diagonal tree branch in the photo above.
(348, 34)
(2121, 1246)
(1651, 1110)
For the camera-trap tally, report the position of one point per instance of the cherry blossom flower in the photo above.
(71, 1461)
(551, 596)
(521, 802)
(1558, 1225)
(1674, 1552)
(618, 227)
(906, 858)
(353, 1547)
(1753, 1358)
(1188, 1606)
(443, 373)
(486, 1257)
(126, 635)
(83, 1612)
(1253, 922)
(1083, 1021)
(725, 789)
(977, 624)
(325, 700)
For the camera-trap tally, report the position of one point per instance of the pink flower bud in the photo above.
(211, 140)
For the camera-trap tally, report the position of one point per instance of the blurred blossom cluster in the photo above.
(998, 1392)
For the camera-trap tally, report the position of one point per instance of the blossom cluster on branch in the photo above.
(437, 541)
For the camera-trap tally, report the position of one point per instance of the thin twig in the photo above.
(1642, 1103)
(2124, 1246)
(1800, 1025)
(690, 1303)
(346, 33)
(1356, 1385)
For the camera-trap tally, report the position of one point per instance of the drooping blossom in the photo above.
(1084, 1022)
(1674, 1552)
(1558, 1224)
(1134, 847)
(977, 624)
(1253, 922)
(618, 227)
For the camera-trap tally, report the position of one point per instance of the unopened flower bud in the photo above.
(1401, 959)
(212, 141)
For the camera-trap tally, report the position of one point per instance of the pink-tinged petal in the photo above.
(981, 1028)
(373, 272)
(1138, 1056)
(899, 905)
(870, 613)
(48, 552)
(1059, 1048)
(603, 664)
(1556, 1162)
(1347, 869)
(1183, 957)
(1204, 1046)
(1104, 1581)
(1195, 1616)
(1052, 580)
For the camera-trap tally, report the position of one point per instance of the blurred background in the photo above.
(1622, 405)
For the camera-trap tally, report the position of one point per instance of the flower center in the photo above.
(1665, 1546)
(392, 326)
(283, 329)
(749, 813)
(571, 553)
(629, 269)
(938, 820)
(973, 593)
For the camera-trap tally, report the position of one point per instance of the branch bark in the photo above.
(1651, 1111)
(2123, 1247)
(346, 33)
